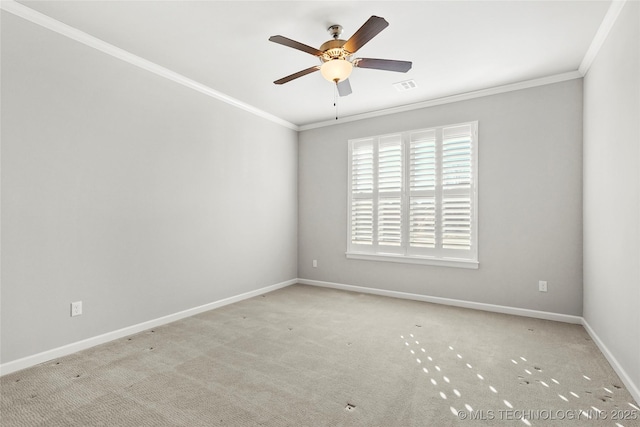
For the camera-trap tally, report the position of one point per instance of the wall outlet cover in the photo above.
(76, 308)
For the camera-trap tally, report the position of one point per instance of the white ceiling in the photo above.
(456, 47)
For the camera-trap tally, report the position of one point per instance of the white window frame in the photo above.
(406, 253)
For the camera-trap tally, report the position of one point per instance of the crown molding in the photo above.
(45, 21)
(601, 35)
(557, 78)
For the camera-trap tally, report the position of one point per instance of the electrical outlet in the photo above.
(76, 308)
(315, 263)
(542, 286)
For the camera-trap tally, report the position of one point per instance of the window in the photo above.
(413, 197)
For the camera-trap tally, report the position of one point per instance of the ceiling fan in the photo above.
(336, 55)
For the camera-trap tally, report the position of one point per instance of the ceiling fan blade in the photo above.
(296, 75)
(369, 30)
(383, 64)
(344, 88)
(294, 44)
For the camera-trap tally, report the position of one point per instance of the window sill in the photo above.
(449, 262)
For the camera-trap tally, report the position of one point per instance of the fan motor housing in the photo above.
(333, 50)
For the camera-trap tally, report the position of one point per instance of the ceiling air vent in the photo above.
(405, 85)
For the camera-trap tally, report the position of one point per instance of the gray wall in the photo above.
(612, 192)
(530, 202)
(129, 192)
(143, 198)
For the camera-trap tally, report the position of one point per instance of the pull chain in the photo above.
(335, 99)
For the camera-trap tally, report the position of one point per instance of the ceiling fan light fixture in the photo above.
(336, 54)
(336, 70)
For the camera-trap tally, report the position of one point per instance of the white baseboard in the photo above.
(48, 355)
(448, 301)
(45, 356)
(633, 388)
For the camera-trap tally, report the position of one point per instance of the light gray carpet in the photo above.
(306, 356)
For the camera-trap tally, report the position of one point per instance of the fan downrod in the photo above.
(335, 31)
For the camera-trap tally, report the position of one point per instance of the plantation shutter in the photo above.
(362, 182)
(390, 192)
(422, 190)
(413, 196)
(457, 196)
